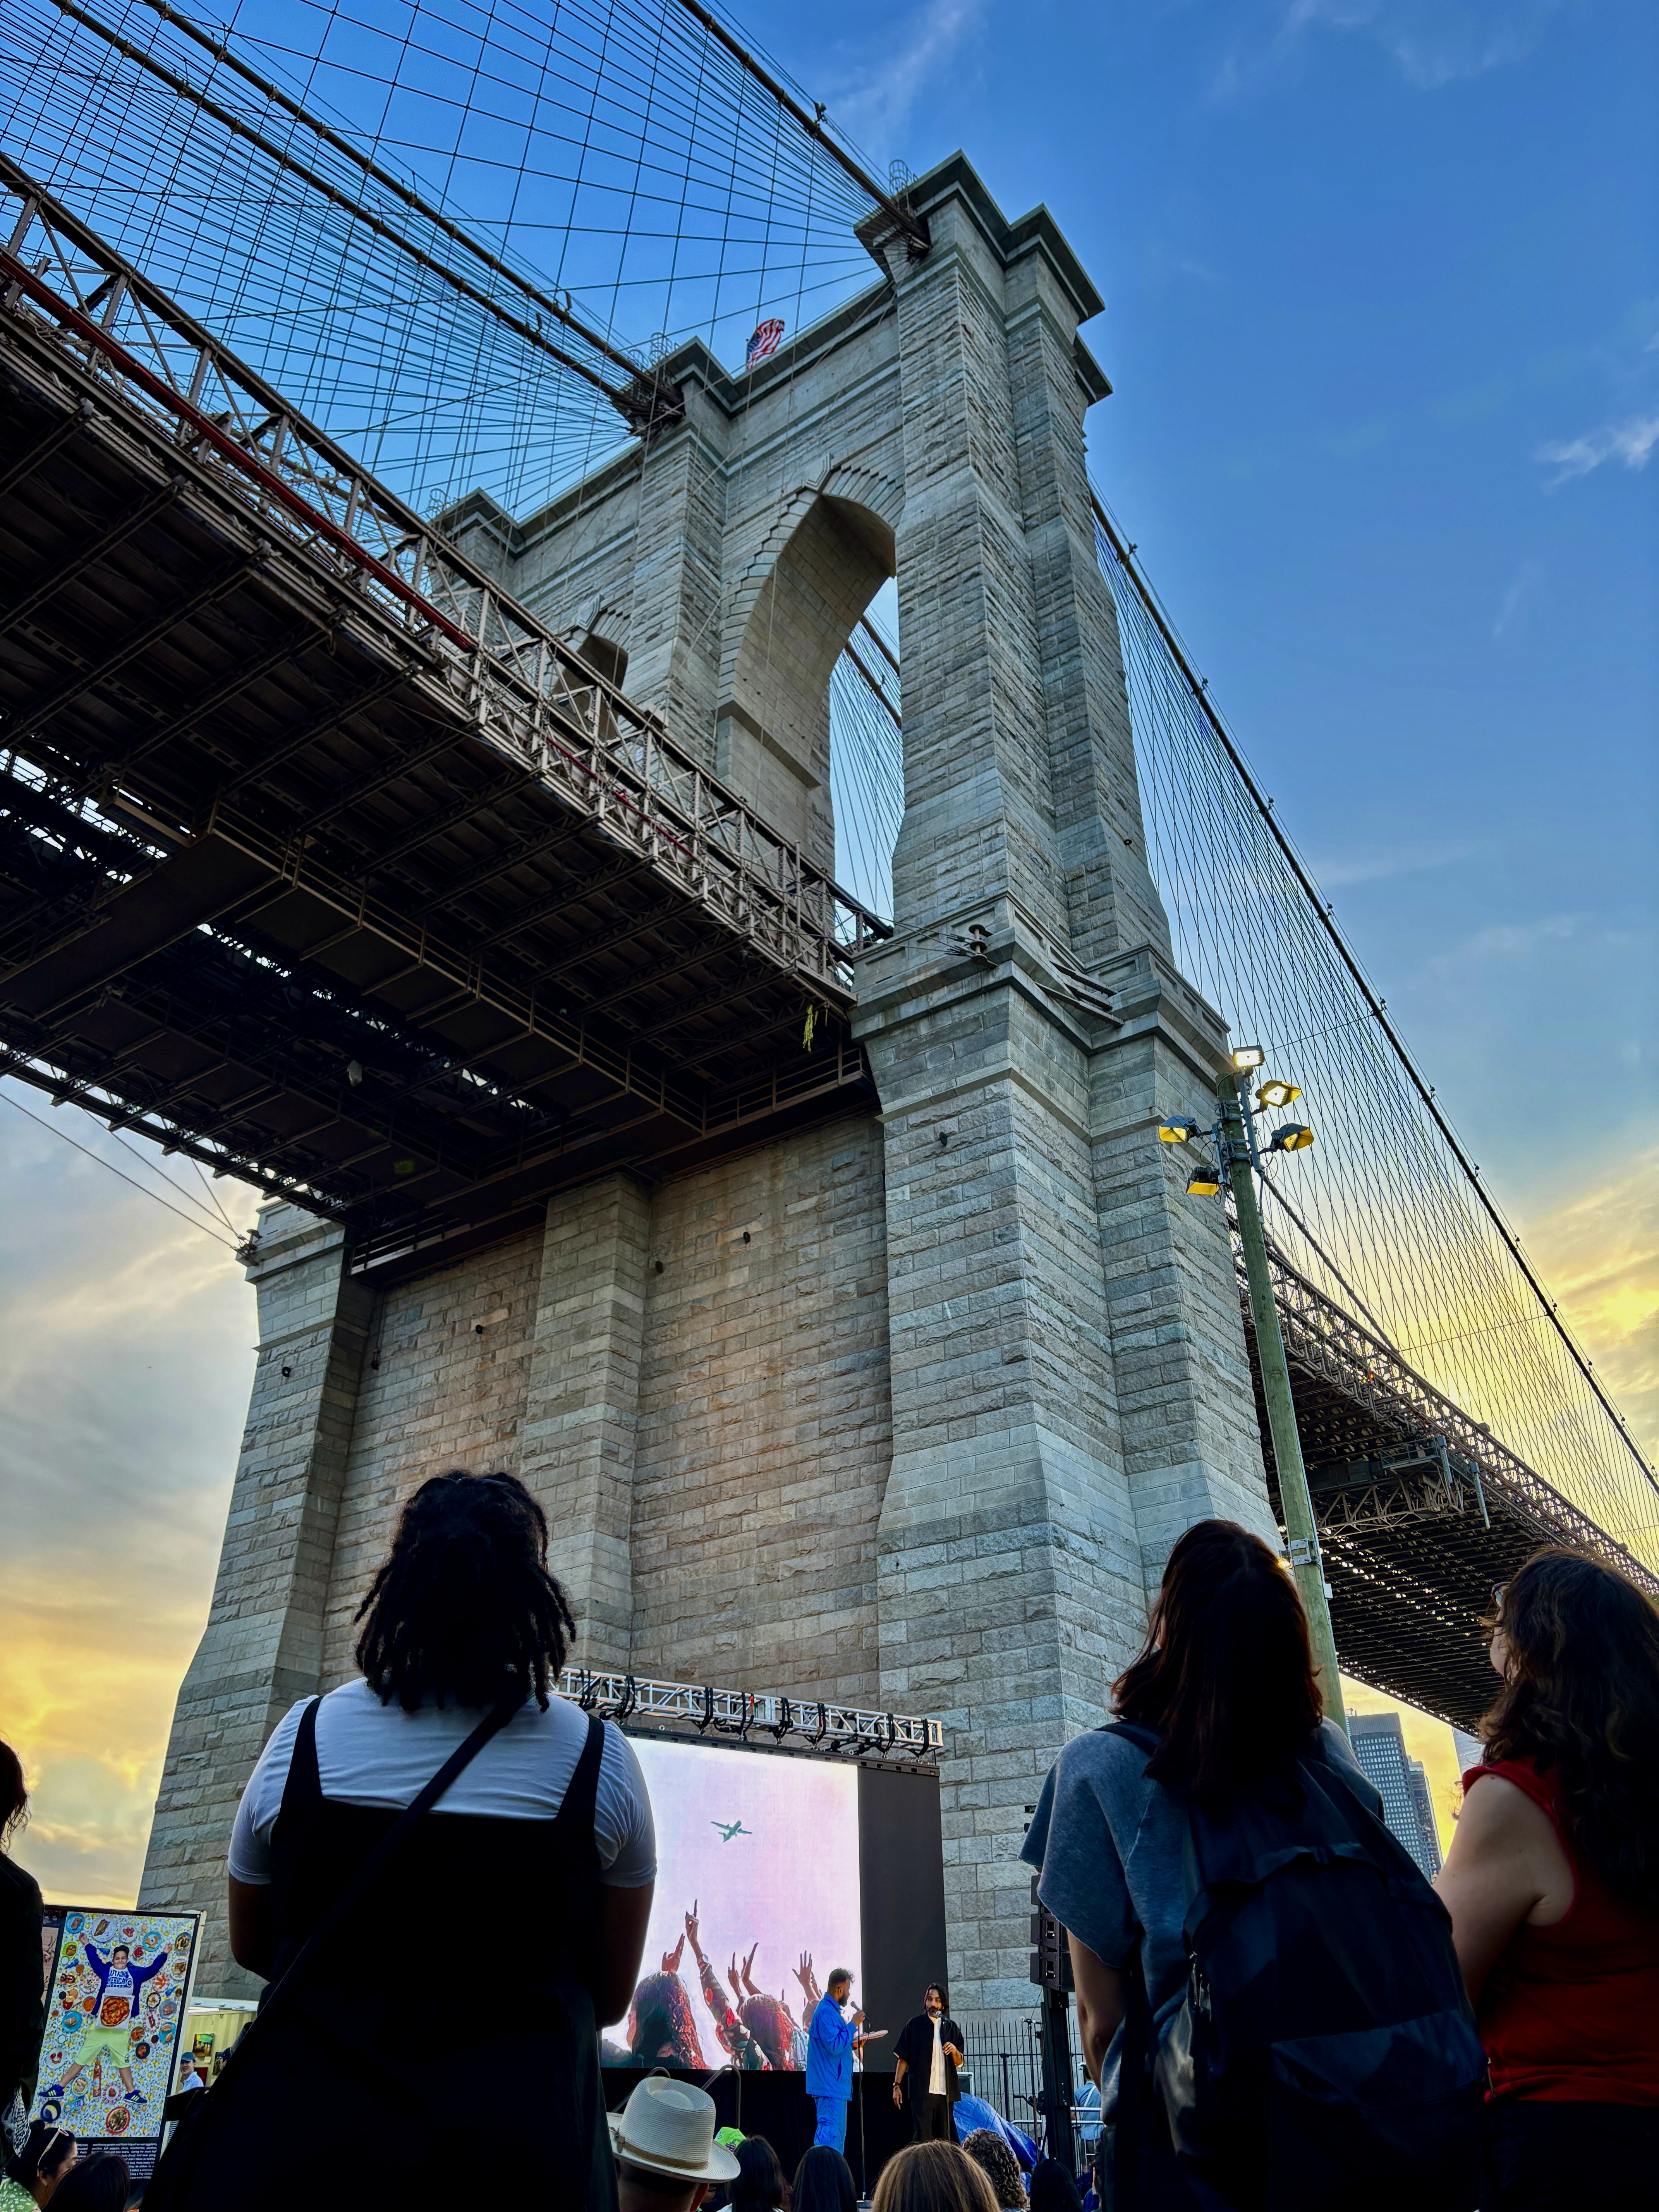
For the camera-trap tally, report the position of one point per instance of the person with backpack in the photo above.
(444, 1869)
(1266, 1989)
(1552, 1882)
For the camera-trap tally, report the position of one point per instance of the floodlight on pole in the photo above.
(1235, 1141)
(1176, 1132)
(1295, 1500)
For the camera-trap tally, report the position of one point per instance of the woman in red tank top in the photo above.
(1552, 1883)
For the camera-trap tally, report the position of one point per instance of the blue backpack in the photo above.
(1324, 2055)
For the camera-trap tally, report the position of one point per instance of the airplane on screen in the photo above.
(728, 1829)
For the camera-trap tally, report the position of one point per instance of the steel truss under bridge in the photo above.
(319, 859)
(1420, 1509)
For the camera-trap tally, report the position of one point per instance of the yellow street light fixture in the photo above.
(1293, 1138)
(1248, 1056)
(1203, 1182)
(1176, 1132)
(1278, 1094)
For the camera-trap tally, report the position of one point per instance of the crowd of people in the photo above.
(670, 2157)
(1274, 2006)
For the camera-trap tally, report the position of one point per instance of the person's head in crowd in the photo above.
(1578, 1646)
(46, 2158)
(1226, 1677)
(987, 2150)
(464, 1611)
(14, 1796)
(824, 2183)
(760, 2185)
(662, 2028)
(1053, 2188)
(94, 2184)
(771, 2027)
(839, 1986)
(667, 2159)
(933, 1999)
(933, 2176)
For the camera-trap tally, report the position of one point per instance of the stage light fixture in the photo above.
(1176, 1132)
(1247, 1057)
(1276, 1093)
(1203, 1182)
(1293, 1138)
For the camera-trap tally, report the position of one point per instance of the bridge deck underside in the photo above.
(1410, 1555)
(322, 929)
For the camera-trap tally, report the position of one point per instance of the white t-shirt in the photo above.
(936, 2072)
(368, 1753)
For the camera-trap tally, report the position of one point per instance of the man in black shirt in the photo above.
(928, 2054)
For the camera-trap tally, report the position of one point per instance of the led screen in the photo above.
(764, 1850)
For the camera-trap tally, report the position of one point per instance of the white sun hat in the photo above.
(668, 2127)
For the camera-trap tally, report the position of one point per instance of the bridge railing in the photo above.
(527, 691)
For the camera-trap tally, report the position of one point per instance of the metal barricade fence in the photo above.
(1005, 2067)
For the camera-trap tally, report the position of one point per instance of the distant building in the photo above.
(1470, 1749)
(1380, 1748)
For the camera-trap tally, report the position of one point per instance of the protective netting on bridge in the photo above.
(1382, 1214)
(453, 235)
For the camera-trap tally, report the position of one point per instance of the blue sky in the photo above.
(1382, 317)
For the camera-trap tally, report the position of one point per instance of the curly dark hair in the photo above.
(999, 2166)
(662, 2028)
(1581, 1696)
(465, 1609)
(1227, 1676)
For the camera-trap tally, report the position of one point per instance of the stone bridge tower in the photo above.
(907, 1407)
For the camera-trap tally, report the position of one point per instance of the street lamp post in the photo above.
(1234, 1138)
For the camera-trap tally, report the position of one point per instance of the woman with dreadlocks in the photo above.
(445, 1871)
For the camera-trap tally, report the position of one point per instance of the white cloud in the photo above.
(873, 105)
(1527, 579)
(1431, 42)
(1509, 941)
(126, 1357)
(1632, 442)
(1379, 867)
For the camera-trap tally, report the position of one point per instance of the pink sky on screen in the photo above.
(790, 1882)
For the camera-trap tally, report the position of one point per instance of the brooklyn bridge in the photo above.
(701, 1019)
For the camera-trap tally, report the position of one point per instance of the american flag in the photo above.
(764, 341)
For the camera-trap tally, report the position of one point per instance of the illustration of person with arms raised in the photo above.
(120, 1978)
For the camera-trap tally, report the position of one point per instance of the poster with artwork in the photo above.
(118, 1984)
(756, 1901)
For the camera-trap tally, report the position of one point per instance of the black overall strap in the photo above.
(575, 1818)
(394, 1837)
(304, 1785)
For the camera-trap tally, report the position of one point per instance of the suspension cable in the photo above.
(912, 226)
(1124, 554)
(627, 402)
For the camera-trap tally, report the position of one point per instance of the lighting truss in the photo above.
(830, 1729)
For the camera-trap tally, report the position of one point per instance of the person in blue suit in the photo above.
(830, 2060)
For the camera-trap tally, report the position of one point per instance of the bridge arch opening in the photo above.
(795, 614)
(606, 656)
